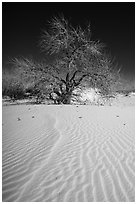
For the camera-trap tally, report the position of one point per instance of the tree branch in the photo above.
(77, 83)
(72, 78)
(67, 77)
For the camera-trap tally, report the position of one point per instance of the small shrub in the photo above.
(13, 88)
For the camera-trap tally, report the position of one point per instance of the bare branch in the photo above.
(76, 57)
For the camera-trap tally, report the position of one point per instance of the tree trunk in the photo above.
(67, 96)
(67, 99)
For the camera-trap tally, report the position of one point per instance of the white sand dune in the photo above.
(68, 153)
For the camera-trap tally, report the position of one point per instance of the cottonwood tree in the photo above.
(76, 59)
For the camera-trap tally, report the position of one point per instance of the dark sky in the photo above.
(112, 23)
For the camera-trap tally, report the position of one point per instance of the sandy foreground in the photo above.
(68, 153)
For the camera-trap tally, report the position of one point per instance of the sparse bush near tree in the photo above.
(77, 59)
(12, 87)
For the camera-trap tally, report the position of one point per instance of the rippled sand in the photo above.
(68, 153)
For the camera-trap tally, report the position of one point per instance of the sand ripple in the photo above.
(69, 153)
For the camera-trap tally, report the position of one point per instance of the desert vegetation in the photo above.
(77, 61)
(12, 86)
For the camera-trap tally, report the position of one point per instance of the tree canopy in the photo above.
(76, 59)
